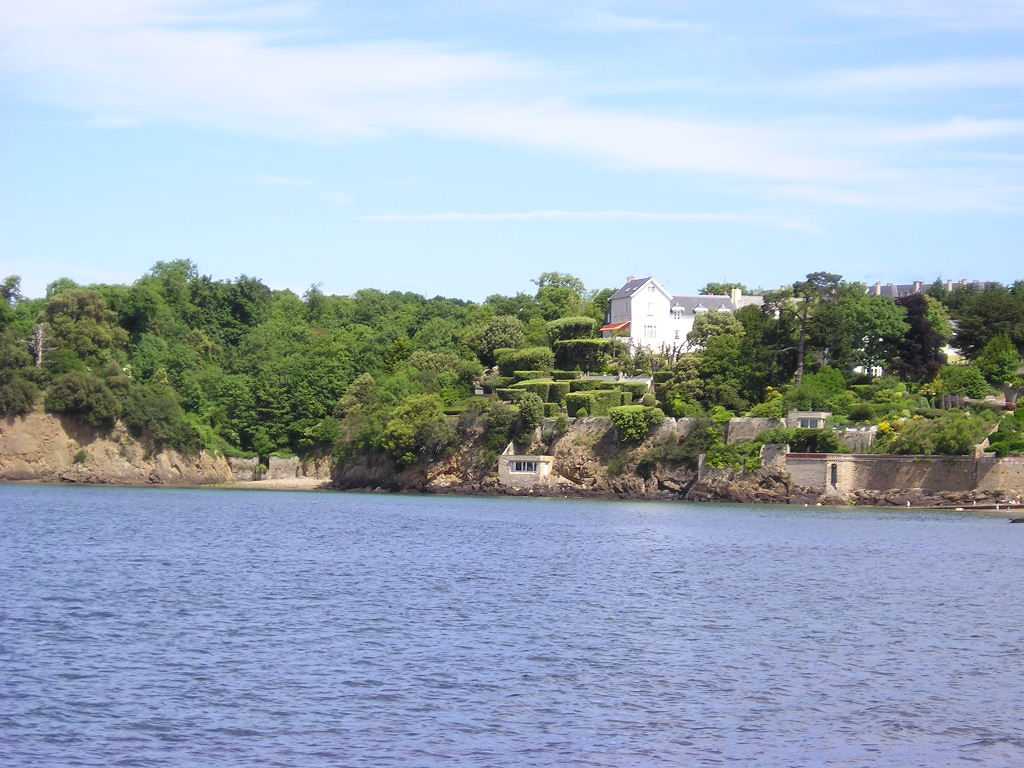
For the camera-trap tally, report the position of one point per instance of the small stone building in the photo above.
(524, 470)
(807, 419)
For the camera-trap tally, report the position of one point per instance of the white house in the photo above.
(655, 319)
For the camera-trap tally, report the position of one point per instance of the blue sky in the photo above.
(463, 147)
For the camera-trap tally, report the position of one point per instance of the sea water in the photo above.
(166, 627)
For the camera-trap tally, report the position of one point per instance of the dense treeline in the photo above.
(240, 368)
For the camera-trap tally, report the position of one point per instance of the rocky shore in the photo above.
(589, 464)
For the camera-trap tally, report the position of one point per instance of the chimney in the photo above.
(878, 289)
(917, 286)
(630, 279)
(734, 297)
(949, 286)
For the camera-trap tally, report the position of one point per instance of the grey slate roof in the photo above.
(629, 288)
(690, 304)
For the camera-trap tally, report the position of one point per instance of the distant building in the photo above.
(894, 291)
(649, 317)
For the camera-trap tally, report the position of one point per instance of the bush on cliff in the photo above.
(418, 430)
(81, 394)
(634, 422)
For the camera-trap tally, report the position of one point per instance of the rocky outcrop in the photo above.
(42, 447)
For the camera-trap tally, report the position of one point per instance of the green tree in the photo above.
(999, 362)
(81, 323)
(964, 380)
(559, 295)
(418, 430)
(84, 395)
(500, 332)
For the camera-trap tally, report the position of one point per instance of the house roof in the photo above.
(615, 326)
(630, 288)
(694, 303)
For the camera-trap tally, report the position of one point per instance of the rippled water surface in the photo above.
(158, 627)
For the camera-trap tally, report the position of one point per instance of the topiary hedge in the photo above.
(526, 359)
(585, 354)
(557, 391)
(539, 387)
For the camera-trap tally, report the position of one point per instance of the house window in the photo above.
(677, 335)
(524, 466)
(677, 314)
(810, 423)
(650, 331)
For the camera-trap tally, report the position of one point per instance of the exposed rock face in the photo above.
(43, 447)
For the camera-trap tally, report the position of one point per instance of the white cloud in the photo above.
(139, 67)
(957, 129)
(963, 15)
(934, 76)
(556, 215)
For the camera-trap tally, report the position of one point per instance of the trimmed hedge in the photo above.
(578, 327)
(539, 387)
(565, 375)
(574, 401)
(635, 388)
(504, 381)
(586, 385)
(662, 377)
(524, 375)
(551, 410)
(558, 391)
(586, 354)
(526, 359)
(506, 393)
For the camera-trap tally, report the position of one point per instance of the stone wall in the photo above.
(935, 474)
(745, 428)
(1005, 474)
(245, 469)
(293, 467)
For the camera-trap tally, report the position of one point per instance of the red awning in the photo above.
(616, 326)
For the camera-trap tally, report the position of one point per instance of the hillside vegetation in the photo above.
(234, 367)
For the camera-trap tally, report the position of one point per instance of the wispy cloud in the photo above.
(957, 129)
(556, 215)
(933, 76)
(964, 15)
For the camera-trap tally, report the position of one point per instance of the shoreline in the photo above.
(312, 484)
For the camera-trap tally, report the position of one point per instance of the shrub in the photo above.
(17, 396)
(585, 354)
(154, 408)
(745, 457)
(636, 389)
(81, 394)
(551, 409)
(961, 380)
(634, 422)
(524, 375)
(539, 387)
(649, 400)
(418, 430)
(557, 391)
(582, 413)
(572, 328)
(574, 401)
(526, 359)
